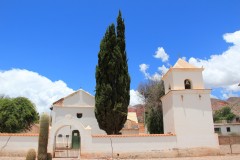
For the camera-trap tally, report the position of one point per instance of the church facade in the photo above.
(187, 113)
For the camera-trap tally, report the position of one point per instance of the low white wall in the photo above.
(195, 141)
(131, 143)
(18, 143)
(103, 144)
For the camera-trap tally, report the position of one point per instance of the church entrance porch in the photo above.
(67, 143)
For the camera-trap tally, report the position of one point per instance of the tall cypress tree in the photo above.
(112, 80)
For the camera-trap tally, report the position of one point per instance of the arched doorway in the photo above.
(76, 140)
(72, 124)
(67, 142)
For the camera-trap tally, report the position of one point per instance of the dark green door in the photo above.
(75, 139)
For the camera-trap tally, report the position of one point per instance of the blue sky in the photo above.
(59, 41)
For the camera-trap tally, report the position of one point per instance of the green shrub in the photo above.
(31, 154)
(224, 113)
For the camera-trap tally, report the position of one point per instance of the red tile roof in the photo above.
(19, 134)
(132, 135)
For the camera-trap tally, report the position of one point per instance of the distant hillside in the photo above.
(232, 102)
(218, 104)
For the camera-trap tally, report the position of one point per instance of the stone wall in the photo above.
(226, 140)
(229, 144)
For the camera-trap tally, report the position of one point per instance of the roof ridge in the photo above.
(75, 92)
(183, 64)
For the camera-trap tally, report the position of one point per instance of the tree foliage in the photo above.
(17, 114)
(112, 80)
(155, 121)
(224, 113)
(152, 91)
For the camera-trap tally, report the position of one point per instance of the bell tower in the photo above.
(187, 108)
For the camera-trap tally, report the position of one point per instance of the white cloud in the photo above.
(184, 58)
(232, 37)
(223, 70)
(135, 98)
(39, 89)
(161, 54)
(226, 95)
(155, 77)
(163, 69)
(143, 67)
(213, 96)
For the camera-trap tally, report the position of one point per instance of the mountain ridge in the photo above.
(232, 102)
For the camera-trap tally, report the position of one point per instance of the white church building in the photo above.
(187, 113)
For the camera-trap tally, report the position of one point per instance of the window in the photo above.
(60, 135)
(237, 119)
(228, 129)
(79, 115)
(187, 84)
(217, 130)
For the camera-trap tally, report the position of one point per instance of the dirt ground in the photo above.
(226, 157)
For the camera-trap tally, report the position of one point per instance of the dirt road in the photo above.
(227, 157)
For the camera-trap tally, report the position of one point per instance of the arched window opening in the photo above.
(187, 84)
(79, 115)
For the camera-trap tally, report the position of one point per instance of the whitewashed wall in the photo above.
(234, 128)
(190, 118)
(88, 116)
(124, 144)
(194, 75)
(79, 98)
(95, 144)
(18, 143)
(62, 142)
(176, 78)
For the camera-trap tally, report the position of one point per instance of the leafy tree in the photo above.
(112, 80)
(224, 113)
(123, 77)
(17, 114)
(152, 91)
(155, 121)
